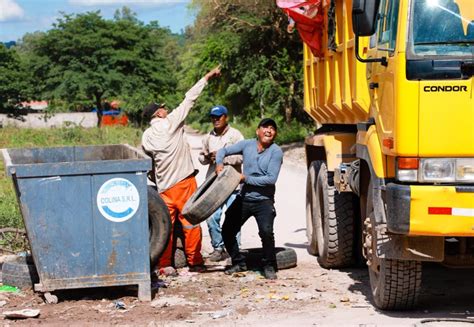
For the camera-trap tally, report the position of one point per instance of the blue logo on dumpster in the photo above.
(118, 199)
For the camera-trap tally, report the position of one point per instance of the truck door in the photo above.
(383, 77)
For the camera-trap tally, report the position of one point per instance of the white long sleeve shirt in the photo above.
(166, 141)
(213, 143)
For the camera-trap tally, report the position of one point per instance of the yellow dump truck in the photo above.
(391, 165)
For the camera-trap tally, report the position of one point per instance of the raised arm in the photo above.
(178, 115)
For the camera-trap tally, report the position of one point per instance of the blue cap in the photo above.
(218, 111)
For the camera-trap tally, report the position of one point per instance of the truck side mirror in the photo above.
(364, 23)
(364, 16)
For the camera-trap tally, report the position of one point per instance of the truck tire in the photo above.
(159, 225)
(211, 195)
(395, 284)
(334, 223)
(20, 272)
(311, 206)
(286, 258)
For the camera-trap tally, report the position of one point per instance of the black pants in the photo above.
(236, 215)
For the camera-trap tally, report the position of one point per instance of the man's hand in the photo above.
(242, 178)
(219, 168)
(213, 73)
(212, 157)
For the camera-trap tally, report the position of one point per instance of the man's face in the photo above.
(219, 121)
(161, 112)
(266, 134)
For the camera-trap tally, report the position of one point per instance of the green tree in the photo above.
(12, 79)
(262, 63)
(86, 59)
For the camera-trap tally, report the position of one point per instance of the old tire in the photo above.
(334, 223)
(20, 272)
(286, 258)
(179, 258)
(159, 225)
(311, 206)
(395, 284)
(211, 195)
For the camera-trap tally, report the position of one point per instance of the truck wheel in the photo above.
(334, 223)
(395, 284)
(159, 225)
(211, 195)
(311, 206)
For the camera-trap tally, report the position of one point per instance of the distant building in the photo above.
(34, 105)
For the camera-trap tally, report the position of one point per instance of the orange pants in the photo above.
(175, 198)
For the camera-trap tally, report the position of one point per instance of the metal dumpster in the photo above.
(86, 214)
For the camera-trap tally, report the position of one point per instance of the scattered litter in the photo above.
(220, 314)
(332, 306)
(189, 321)
(9, 289)
(2, 303)
(23, 254)
(119, 305)
(360, 306)
(345, 299)
(50, 298)
(239, 274)
(22, 314)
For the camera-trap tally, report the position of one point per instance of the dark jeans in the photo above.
(237, 214)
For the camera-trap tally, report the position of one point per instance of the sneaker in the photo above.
(197, 268)
(235, 269)
(218, 255)
(269, 272)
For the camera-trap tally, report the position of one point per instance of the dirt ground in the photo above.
(306, 295)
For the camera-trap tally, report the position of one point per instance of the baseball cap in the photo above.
(267, 122)
(218, 111)
(150, 109)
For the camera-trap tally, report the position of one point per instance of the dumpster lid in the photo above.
(74, 160)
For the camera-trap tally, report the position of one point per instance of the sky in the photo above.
(18, 17)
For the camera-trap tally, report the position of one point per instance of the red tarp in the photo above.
(308, 16)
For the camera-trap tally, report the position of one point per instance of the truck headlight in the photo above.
(465, 170)
(437, 170)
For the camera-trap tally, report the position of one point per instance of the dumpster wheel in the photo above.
(159, 226)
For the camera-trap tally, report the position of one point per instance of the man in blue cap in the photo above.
(220, 136)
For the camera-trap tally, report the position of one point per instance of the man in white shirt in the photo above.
(220, 136)
(174, 169)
